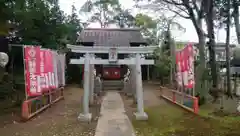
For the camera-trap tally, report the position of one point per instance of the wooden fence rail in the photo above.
(33, 106)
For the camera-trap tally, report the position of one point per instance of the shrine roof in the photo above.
(111, 36)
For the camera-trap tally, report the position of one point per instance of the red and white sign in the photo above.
(185, 66)
(32, 70)
(178, 64)
(190, 64)
(49, 68)
(55, 75)
(44, 70)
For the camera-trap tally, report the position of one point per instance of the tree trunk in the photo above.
(236, 19)
(172, 55)
(101, 17)
(200, 83)
(211, 47)
(229, 92)
(104, 18)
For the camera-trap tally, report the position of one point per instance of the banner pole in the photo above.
(182, 88)
(193, 69)
(24, 72)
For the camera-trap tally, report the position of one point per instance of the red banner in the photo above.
(178, 64)
(49, 68)
(44, 78)
(44, 70)
(46, 75)
(32, 70)
(54, 69)
(190, 64)
(185, 66)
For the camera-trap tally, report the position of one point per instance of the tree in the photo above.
(209, 11)
(229, 92)
(74, 26)
(102, 11)
(148, 27)
(125, 19)
(195, 11)
(236, 16)
(38, 22)
(34, 22)
(162, 65)
(224, 17)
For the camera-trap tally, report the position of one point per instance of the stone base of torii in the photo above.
(134, 63)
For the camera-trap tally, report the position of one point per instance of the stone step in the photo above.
(112, 81)
(112, 85)
(112, 88)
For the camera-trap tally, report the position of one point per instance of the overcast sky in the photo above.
(190, 34)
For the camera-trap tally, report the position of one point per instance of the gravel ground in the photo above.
(59, 120)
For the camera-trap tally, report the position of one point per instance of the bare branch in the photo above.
(192, 16)
(178, 5)
(173, 2)
(182, 9)
(201, 12)
(194, 2)
(179, 13)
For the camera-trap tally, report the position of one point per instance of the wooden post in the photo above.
(174, 97)
(148, 72)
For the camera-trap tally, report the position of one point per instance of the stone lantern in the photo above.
(3, 59)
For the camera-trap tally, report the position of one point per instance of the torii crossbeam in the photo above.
(112, 51)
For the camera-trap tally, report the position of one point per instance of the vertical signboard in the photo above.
(49, 68)
(112, 55)
(185, 66)
(190, 63)
(178, 64)
(43, 71)
(61, 69)
(55, 73)
(32, 70)
(46, 69)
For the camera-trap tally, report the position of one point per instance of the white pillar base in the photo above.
(85, 117)
(141, 116)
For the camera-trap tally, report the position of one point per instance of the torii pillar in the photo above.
(140, 114)
(86, 115)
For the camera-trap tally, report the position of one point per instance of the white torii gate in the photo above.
(88, 60)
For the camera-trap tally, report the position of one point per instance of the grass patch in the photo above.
(163, 120)
(207, 112)
(166, 120)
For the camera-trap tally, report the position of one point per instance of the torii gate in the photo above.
(89, 59)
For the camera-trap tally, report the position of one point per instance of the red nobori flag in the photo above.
(43, 70)
(50, 69)
(32, 70)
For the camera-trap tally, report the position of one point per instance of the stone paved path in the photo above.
(113, 120)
